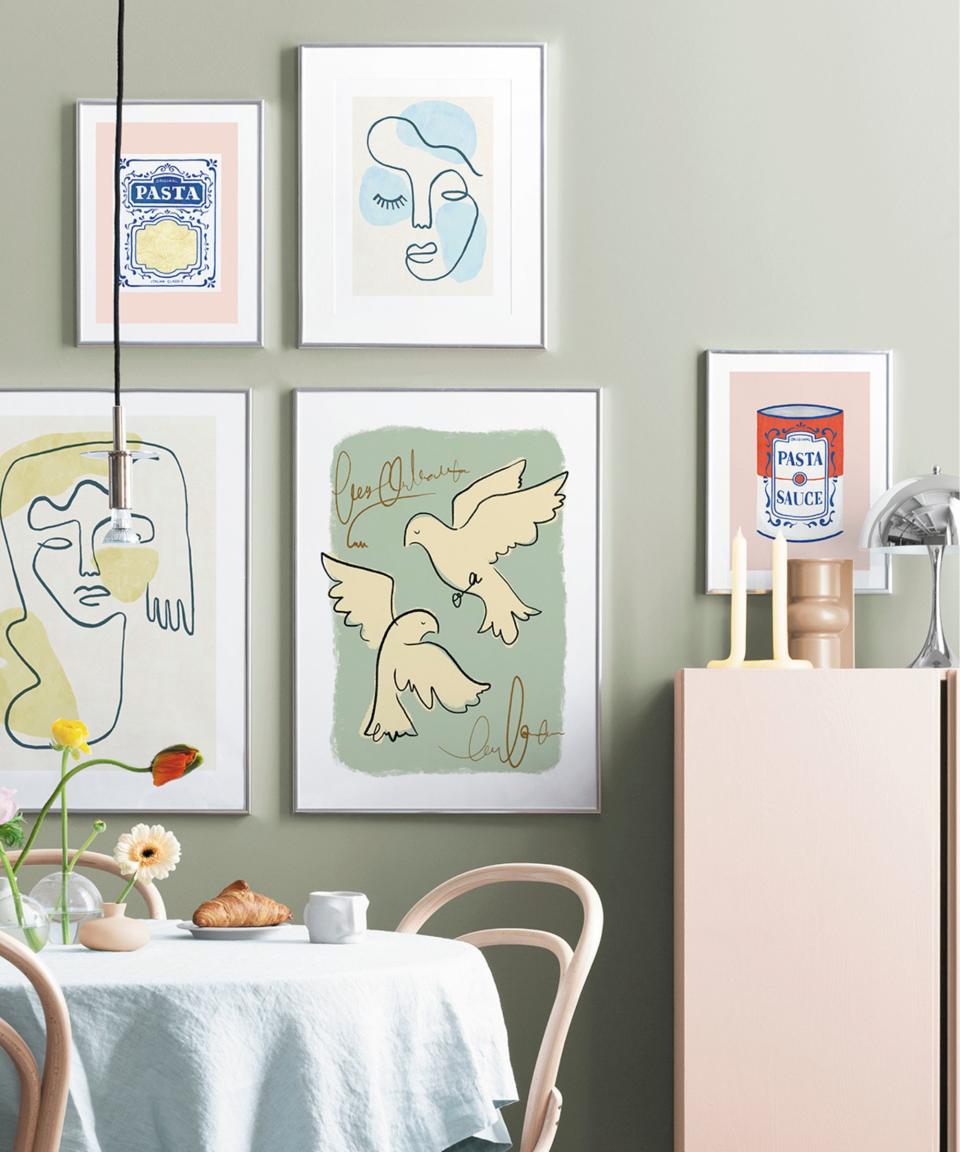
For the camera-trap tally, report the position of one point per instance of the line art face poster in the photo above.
(421, 195)
(446, 592)
(145, 644)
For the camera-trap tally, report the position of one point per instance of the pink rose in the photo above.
(8, 804)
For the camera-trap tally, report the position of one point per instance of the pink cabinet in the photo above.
(810, 970)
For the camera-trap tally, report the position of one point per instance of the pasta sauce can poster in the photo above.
(800, 471)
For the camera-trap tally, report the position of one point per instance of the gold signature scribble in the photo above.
(517, 733)
(399, 479)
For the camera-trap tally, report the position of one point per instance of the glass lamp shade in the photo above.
(120, 533)
(84, 902)
(36, 924)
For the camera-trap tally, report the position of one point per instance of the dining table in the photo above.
(396, 1043)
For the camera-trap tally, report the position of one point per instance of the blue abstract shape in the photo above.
(443, 126)
(384, 196)
(454, 221)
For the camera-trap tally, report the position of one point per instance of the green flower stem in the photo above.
(14, 887)
(64, 851)
(98, 827)
(42, 814)
(126, 892)
(31, 935)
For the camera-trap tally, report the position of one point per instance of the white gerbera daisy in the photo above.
(149, 853)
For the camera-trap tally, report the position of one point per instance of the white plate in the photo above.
(226, 933)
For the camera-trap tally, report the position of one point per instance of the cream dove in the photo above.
(364, 597)
(488, 519)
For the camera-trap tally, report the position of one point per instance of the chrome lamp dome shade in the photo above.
(916, 516)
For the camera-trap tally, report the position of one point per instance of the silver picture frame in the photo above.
(540, 344)
(258, 340)
(244, 808)
(298, 807)
(715, 453)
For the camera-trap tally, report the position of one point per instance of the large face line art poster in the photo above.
(137, 642)
(446, 601)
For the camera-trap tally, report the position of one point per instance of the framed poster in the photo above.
(190, 222)
(421, 194)
(797, 442)
(146, 645)
(446, 601)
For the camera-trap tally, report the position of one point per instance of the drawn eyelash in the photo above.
(390, 205)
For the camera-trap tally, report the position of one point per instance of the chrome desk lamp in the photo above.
(916, 516)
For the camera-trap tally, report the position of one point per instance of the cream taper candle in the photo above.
(738, 598)
(781, 645)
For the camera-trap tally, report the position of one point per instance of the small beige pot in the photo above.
(114, 932)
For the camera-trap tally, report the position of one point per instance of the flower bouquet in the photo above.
(146, 853)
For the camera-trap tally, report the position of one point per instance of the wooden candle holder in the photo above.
(820, 612)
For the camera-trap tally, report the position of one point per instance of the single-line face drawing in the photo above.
(63, 643)
(488, 519)
(365, 599)
(423, 177)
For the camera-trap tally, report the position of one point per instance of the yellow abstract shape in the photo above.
(46, 470)
(127, 571)
(45, 466)
(33, 712)
(166, 246)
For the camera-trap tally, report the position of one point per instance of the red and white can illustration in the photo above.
(800, 471)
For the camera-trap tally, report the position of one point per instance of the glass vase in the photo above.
(31, 927)
(84, 902)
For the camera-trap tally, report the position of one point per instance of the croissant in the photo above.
(238, 906)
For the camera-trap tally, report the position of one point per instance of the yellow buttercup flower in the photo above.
(71, 734)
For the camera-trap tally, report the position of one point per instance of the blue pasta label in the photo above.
(169, 215)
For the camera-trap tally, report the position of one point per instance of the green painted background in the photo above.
(535, 573)
(755, 173)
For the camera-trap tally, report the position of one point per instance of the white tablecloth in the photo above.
(396, 1044)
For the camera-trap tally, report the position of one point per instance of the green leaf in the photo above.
(13, 833)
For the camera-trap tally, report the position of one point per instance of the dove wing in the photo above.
(497, 483)
(363, 596)
(503, 522)
(432, 672)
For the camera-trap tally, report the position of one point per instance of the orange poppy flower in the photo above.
(174, 762)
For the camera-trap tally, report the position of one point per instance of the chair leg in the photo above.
(13, 1044)
(551, 1119)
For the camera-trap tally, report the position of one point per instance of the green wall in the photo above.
(784, 174)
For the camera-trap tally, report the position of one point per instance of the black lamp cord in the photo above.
(116, 208)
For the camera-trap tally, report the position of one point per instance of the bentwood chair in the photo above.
(101, 863)
(43, 1098)
(544, 1101)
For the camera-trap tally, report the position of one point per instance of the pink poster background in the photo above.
(847, 390)
(192, 306)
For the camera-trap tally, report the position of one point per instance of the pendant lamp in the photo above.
(121, 532)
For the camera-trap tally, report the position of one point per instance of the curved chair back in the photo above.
(43, 1099)
(544, 1101)
(100, 862)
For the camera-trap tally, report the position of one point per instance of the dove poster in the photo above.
(421, 198)
(446, 619)
(147, 644)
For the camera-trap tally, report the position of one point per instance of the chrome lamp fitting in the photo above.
(916, 516)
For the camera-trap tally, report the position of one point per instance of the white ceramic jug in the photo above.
(336, 917)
